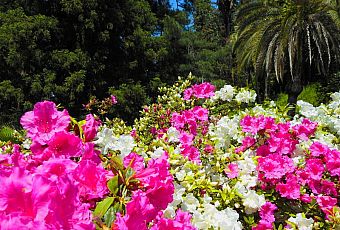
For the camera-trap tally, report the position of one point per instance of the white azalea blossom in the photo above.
(124, 144)
(301, 222)
(253, 202)
(105, 139)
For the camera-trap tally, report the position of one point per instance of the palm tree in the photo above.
(291, 40)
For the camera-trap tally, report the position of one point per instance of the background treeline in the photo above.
(68, 51)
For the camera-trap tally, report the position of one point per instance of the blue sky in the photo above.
(173, 3)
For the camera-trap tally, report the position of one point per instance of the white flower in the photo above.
(27, 143)
(105, 139)
(169, 212)
(173, 134)
(246, 166)
(253, 202)
(177, 197)
(245, 96)
(157, 153)
(180, 175)
(229, 220)
(227, 93)
(124, 144)
(307, 109)
(190, 203)
(302, 222)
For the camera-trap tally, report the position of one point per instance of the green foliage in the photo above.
(7, 134)
(312, 93)
(130, 96)
(292, 41)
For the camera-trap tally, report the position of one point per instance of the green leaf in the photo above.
(112, 184)
(129, 173)
(110, 215)
(117, 163)
(103, 206)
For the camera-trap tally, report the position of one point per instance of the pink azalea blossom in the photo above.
(139, 212)
(263, 225)
(188, 93)
(204, 90)
(200, 113)
(192, 153)
(317, 149)
(232, 170)
(290, 189)
(44, 121)
(113, 100)
(186, 138)
(92, 179)
(91, 127)
(275, 166)
(134, 161)
(305, 129)
(326, 203)
(333, 163)
(158, 183)
(267, 212)
(314, 168)
(281, 143)
(90, 153)
(64, 144)
(177, 120)
(306, 198)
(247, 142)
(180, 222)
(255, 124)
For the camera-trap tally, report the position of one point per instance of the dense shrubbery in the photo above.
(197, 159)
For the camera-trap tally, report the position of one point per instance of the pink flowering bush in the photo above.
(199, 158)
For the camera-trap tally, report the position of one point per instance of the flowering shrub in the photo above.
(198, 159)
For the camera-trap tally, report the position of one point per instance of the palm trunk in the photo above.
(293, 92)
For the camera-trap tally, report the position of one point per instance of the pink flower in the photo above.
(177, 120)
(281, 143)
(326, 203)
(255, 124)
(208, 148)
(90, 153)
(317, 149)
(92, 179)
(180, 222)
(305, 129)
(275, 166)
(314, 168)
(263, 225)
(306, 198)
(291, 189)
(91, 127)
(232, 170)
(192, 153)
(267, 212)
(44, 121)
(134, 161)
(200, 113)
(204, 90)
(247, 142)
(333, 163)
(65, 145)
(139, 212)
(186, 138)
(113, 100)
(187, 94)
(158, 183)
